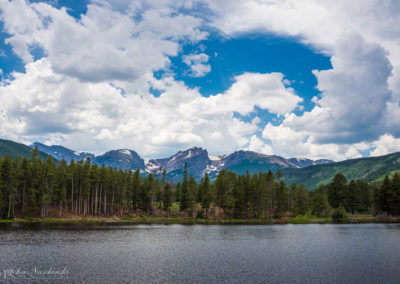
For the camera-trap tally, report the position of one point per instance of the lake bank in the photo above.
(165, 220)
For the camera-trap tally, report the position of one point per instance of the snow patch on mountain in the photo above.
(189, 155)
(126, 152)
(210, 169)
(198, 160)
(305, 162)
(151, 166)
(215, 158)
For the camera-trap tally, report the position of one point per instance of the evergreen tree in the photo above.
(61, 184)
(192, 192)
(393, 196)
(200, 191)
(178, 190)
(145, 194)
(351, 198)
(136, 189)
(270, 178)
(381, 196)
(337, 190)
(365, 196)
(282, 197)
(301, 204)
(46, 190)
(24, 183)
(185, 198)
(7, 186)
(319, 204)
(207, 197)
(239, 197)
(167, 197)
(84, 189)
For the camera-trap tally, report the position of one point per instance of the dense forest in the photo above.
(37, 187)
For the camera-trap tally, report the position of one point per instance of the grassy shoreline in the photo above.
(164, 220)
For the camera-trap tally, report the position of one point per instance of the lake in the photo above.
(109, 253)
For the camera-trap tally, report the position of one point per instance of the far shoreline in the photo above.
(196, 221)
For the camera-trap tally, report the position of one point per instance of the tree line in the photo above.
(36, 187)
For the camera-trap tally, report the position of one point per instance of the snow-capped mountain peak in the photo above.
(198, 160)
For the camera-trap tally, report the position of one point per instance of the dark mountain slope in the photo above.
(14, 149)
(123, 158)
(368, 169)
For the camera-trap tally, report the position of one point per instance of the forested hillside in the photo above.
(35, 187)
(368, 169)
(14, 149)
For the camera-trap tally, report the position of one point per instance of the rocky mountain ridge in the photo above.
(198, 160)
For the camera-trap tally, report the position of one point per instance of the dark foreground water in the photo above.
(362, 253)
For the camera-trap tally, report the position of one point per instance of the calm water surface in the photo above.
(362, 253)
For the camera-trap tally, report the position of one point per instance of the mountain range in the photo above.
(298, 170)
(198, 160)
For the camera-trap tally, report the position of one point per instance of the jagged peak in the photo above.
(189, 153)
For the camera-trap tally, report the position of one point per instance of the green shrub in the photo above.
(339, 214)
(200, 214)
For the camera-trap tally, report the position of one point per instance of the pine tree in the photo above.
(239, 198)
(301, 204)
(135, 189)
(60, 185)
(94, 188)
(167, 197)
(178, 190)
(200, 192)
(282, 196)
(270, 181)
(319, 204)
(381, 197)
(46, 189)
(84, 189)
(394, 195)
(192, 192)
(336, 190)
(145, 194)
(72, 180)
(6, 182)
(351, 198)
(207, 194)
(185, 202)
(103, 190)
(25, 182)
(365, 199)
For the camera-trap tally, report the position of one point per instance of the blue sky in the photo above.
(263, 54)
(158, 77)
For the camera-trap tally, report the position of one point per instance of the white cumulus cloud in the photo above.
(97, 116)
(91, 89)
(197, 63)
(360, 96)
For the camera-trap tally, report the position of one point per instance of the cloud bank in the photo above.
(91, 88)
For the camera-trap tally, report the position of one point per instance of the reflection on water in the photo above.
(105, 253)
